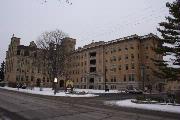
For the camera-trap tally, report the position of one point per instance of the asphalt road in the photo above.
(21, 106)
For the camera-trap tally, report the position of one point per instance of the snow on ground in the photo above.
(157, 107)
(96, 91)
(48, 91)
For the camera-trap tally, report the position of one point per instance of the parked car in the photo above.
(134, 91)
(24, 86)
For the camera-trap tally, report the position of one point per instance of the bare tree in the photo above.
(52, 52)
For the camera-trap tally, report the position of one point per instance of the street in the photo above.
(21, 106)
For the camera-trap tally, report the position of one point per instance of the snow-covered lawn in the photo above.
(49, 92)
(157, 107)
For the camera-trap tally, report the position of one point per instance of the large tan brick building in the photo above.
(124, 62)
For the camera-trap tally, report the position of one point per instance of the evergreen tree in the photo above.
(2, 71)
(169, 43)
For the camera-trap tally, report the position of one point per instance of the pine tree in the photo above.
(2, 71)
(170, 43)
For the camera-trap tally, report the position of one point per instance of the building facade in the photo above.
(118, 64)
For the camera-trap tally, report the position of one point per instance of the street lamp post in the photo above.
(55, 69)
(105, 86)
(55, 87)
(142, 75)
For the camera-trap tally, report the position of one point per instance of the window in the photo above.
(119, 67)
(114, 49)
(119, 49)
(126, 66)
(131, 77)
(43, 79)
(132, 56)
(32, 78)
(92, 54)
(91, 80)
(93, 62)
(119, 58)
(124, 78)
(27, 78)
(22, 79)
(113, 79)
(132, 66)
(126, 56)
(114, 58)
(148, 77)
(18, 52)
(113, 68)
(92, 69)
(35, 54)
(17, 78)
(38, 70)
(113, 86)
(132, 47)
(126, 48)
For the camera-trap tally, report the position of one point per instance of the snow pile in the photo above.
(48, 91)
(157, 107)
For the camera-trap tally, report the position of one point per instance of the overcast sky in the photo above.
(84, 20)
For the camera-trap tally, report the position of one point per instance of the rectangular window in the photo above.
(132, 56)
(32, 78)
(27, 78)
(119, 67)
(126, 66)
(132, 66)
(119, 49)
(124, 78)
(126, 48)
(114, 79)
(17, 78)
(114, 58)
(126, 57)
(119, 58)
(130, 77)
(133, 77)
